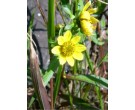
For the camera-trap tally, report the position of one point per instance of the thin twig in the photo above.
(60, 13)
(103, 67)
(42, 12)
(51, 87)
(29, 36)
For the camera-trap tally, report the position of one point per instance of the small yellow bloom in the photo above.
(68, 49)
(87, 21)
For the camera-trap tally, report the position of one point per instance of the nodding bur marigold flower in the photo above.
(87, 21)
(68, 49)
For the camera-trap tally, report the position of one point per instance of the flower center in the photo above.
(67, 49)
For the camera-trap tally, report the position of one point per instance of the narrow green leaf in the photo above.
(96, 40)
(28, 44)
(89, 61)
(103, 23)
(51, 69)
(70, 96)
(46, 78)
(68, 11)
(101, 6)
(54, 63)
(104, 59)
(51, 41)
(80, 103)
(64, 2)
(80, 5)
(86, 90)
(69, 26)
(57, 85)
(92, 79)
(100, 97)
(31, 101)
(31, 22)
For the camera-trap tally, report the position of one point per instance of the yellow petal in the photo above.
(78, 55)
(79, 48)
(92, 10)
(56, 50)
(86, 6)
(86, 27)
(62, 60)
(67, 36)
(93, 20)
(85, 15)
(60, 40)
(75, 39)
(70, 60)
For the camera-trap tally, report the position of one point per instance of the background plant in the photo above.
(83, 86)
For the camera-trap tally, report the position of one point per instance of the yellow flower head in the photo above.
(68, 49)
(86, 20)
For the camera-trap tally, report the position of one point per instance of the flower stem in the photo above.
(51, 22)
(89, 61)
(70, 96)
(51, 36)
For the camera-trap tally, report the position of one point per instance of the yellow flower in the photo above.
(68, 49)
(87, 21)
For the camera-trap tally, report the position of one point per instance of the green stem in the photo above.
(101, 101)
(51, 36)
(58, 80)
(70, 96)
(51, 22)
(89, 61)
(74, 72)
(76, 5)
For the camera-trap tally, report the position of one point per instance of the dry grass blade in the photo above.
(37, 81)
(42, 12)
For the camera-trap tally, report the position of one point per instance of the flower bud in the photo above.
(85, 15)
(86, 27)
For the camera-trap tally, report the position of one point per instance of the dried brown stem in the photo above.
(51, 87)
(36, 78)
(42, 12)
